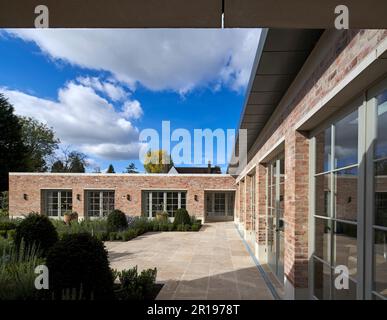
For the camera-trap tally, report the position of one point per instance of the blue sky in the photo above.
(99, 88)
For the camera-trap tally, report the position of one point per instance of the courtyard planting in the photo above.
(75, 255)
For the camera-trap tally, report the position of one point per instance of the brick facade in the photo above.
(336, 55)
(123, 184)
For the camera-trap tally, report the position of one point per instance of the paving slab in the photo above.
(210, 264)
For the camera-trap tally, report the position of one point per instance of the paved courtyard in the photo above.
(210, 264)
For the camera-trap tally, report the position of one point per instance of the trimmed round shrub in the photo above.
(36, 230)
(182, 217)
(116, 221)
(79, 264)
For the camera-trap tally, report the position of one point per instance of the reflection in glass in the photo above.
(322, 279)
(346, 194)
(322, 238)
(346, 141)
(380, 263)
(381, 193)
(345, 294)
(323, 195)
(323, 151)
(345, 246)
(381, 141)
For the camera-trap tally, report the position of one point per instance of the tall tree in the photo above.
(40, 141)
(12, 149)
(58, 166)
(131, 168)
(76, 162)
(158, 161)
(69, 161)
(110, 169)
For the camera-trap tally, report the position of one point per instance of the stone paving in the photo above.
(212, 264)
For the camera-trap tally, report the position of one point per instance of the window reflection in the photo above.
(346, 194)
(345, 244)
(322, 239)
(323, 151)
(381, 193)
(323, 195)
(381, 143)
(346, 141)
(380, 262)
(322, 278)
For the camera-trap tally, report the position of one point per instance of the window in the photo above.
(379, 223)
(158, 201)
(99, 203)
(219, 205)
(58, 202)
(336, 201)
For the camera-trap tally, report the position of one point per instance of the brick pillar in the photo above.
(296, 215)
(79, 202)
(241, 202)
(236, 204)
(248, 213)
(261, 213)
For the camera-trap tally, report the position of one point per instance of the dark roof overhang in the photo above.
(369, 14)
(281, 53)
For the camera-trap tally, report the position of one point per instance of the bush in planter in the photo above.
(36, 230)
(117, 221)
(182, 217)
(80, 262)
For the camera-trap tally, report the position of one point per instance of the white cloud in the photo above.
(159, 59)
(113, 90)
(82, 118)
(132, 109)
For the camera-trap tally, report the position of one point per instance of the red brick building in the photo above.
(312, 196)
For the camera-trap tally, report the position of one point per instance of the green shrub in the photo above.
(17, 271)
(117, 221)
(4, 199)
(186, 227)
(80, 262)
(196, 227)
(3, 233)
(96, 227)
(171, 227)
(156, 227)
(164, 226)
(11, 234)
(113, 236)
(135, 286)
(7, 225)
(182, 217)
(36, 230)
(102, 236)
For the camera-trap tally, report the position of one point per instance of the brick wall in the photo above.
(123, 184)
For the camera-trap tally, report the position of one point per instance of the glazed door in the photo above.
(275, 216)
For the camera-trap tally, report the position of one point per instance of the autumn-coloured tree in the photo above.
(158, 161)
